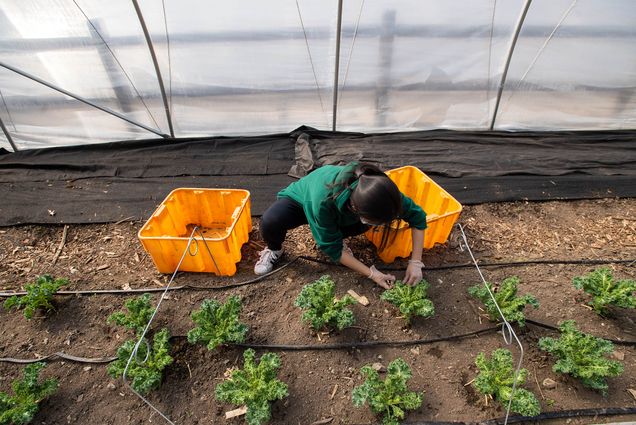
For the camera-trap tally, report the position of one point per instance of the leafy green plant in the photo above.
(322, 307)
(20, 408)
(510, 304)
(391, 397)
(139, 313)
(582, 356)
(144, 376)
(496, 377)
(39, 296)
(606, 291)
(411, 300)
(255, 386)
(217, 323)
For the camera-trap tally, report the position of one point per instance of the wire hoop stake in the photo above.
(142, 338)
(506, 329)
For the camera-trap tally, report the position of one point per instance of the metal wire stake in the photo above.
(506, 329)
(142, 338)
(207, 248)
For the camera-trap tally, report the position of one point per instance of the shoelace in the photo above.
(266, 255)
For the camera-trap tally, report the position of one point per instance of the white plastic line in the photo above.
(505, 328)
(142, 338)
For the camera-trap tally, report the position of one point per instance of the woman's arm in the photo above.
(383, 280)
(414, 270)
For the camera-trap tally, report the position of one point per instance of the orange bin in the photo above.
(442, 211)
(223, 217)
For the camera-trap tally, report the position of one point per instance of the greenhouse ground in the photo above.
(320, 382)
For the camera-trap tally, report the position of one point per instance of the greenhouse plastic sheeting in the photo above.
(255, 67)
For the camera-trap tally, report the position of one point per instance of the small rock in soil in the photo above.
(110, 386)
(378, 367)
(618, 355)
(549, 383)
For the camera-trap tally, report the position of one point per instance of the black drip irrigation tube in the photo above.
(314, 260)
(288, 347)
(554, 328)
(306, 347)
(561, 414)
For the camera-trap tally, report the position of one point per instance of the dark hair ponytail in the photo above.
(375, 198)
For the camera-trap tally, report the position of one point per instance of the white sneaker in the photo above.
(265, 264)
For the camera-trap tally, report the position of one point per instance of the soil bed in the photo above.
(320, 382)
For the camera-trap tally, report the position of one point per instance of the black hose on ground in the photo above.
(60, 355)
(315, 260)
(574, 413)
(365, 344)
(560, 414)
(487, 264)
(338, 346)
(554, 328)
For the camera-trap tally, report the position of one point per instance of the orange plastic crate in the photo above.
(223, 216)
(442, 211)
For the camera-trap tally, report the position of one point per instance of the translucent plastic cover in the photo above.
(82, 71)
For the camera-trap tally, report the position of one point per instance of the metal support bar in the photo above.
(511, 49)
(5, 130)
(156, 65)
(337, 68)
(81, 99)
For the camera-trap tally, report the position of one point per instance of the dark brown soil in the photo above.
(320, 382)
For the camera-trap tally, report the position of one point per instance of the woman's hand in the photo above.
(413, 272)
(381, 279)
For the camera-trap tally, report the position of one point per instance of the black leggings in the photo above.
(284, 215)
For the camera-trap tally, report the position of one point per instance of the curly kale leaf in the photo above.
(582, 356)
(21, 407)
(411, 300)
(139, 313)
(144, 376)
(510, 304)
(321, 307)
(606, 291)
(496, 377)
(217, 323)
(39, 296)
(391, 397)
(254, 386)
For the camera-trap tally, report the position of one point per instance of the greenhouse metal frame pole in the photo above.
(81, 99)
(511, 49)
(5, 130)
(156, 65)
(337, 68)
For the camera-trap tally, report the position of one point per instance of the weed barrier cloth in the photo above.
(113, 181)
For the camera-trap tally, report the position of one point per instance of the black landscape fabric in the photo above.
(127, 180)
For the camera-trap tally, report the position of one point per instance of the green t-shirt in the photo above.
(326, 216)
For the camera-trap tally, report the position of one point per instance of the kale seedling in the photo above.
(582, 356)
(510, 304)
(411, 300)
(495, 379)
(139, 313)
(23, 405)
(390, 398)
(144, 375)
(605, 291)
(217, 323)
(322, 307)
(39, 296)
(255, 386)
